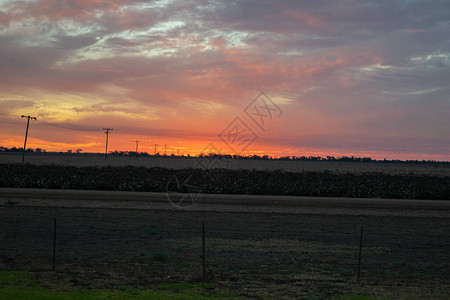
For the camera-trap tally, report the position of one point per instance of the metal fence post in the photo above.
(204, 250)
(359, 255)
(54, 246)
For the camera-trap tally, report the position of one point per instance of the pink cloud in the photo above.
(416, 31)
(303, 17)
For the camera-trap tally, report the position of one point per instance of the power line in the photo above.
(69, 127)
(52, 124)
(107, 130)
(10, 115)
(137, 145)
(66, 127)
(26, 134)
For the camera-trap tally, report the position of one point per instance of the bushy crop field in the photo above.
(226, 181)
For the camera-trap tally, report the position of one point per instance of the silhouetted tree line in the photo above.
(15, 149)
(236, 156)
(225, 181)
(317, 158)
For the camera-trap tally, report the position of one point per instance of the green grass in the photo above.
(22, 285)
(160, 256)
(311, 297)
(359, 297)
(16, 278)
(30, 293)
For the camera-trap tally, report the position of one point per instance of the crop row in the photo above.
(224, 181)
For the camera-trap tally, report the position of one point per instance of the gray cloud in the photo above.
(74, 42)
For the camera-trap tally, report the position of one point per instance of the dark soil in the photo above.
(252, 254)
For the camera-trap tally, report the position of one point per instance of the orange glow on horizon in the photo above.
(195, 147)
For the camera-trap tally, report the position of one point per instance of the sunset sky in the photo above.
(363, 78)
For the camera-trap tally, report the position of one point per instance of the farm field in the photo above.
(224, 203)
(269, 234)
(83, 160)
(302, 247)
(226, 181)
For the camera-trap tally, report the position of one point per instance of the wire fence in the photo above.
(175, 245)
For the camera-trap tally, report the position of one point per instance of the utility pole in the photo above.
(107, 130)
(137, 145)
(26, 135)
(156, 145)
(165, 150)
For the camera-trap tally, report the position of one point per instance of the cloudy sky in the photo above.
(364, 78)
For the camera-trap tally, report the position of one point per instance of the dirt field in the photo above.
(297, 247)
(225, 203)
(192, 162)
